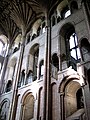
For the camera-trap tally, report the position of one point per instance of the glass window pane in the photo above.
(76, 40)
(67, 13)
(73, 53)
(72, 44)
(78, 53)
(42, 69)
(44, 30)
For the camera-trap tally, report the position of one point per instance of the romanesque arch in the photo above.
(4, 109)
(27, 106)
(70, 95)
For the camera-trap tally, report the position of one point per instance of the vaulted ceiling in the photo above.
(19, 15)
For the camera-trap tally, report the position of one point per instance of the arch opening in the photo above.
(28, 107)
(72, 99)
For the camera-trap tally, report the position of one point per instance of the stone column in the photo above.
(45, 74)
(59, 58)
(49, 72)
(62, 106)
(21, 112)
(59, 50)
(13, 105)
(86, 97)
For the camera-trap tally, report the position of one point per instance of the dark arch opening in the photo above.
(41, 70)
(79, 96)
(74, 6)
(85, 49)
(55, 61)
(9, 85)
(53, 20)
(69, 46)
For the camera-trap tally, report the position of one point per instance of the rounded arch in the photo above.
(66, 80)
(85, 49)
(70, 97)
(27, 106)
(80, 39)
(16, 44)
(54, 83)
(65, 27)
(76, 86)
(4, 108)
(62, 5)
(36, 25)
(25, 94)
(84, 42)
(70, 94)
(3, 101)
(34, 48)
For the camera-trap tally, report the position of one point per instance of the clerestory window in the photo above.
(73, 52)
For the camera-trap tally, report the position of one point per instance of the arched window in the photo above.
(73, 6)
(72, 50)
(4, 110)
(22, 79)
(65, 12)
(55, 61)
(72, 99)
(33, 60)
(29, 77)
(9, 86)
(85, 49)
(41, 68)
(79, 96)
(35, 63)
(55, 65)
(28, 107)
